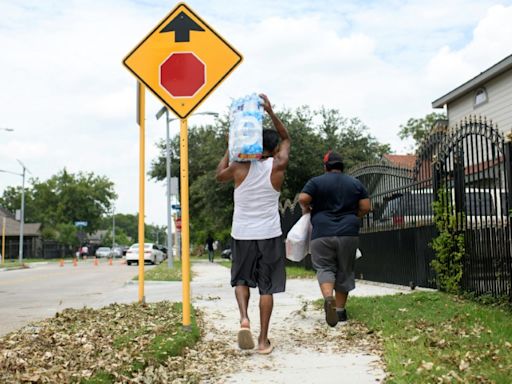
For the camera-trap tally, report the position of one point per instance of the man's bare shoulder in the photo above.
(240, 171)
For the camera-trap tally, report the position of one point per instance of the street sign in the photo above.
(176, 207)
(182, 60)
(178, 224)
(80, 223)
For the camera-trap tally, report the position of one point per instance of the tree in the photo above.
(312, 133)
(121, 238)
(66, 234)
(64, 199)
(418, 128)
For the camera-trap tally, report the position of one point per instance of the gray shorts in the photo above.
(333, 259)
(259, 263)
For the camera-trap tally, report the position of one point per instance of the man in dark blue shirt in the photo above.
(337, 203)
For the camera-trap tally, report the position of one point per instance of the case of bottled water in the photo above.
(246, 128)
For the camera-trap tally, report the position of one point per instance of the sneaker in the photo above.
(330, 311)
(342, 315)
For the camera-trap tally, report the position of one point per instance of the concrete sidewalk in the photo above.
(306, 350)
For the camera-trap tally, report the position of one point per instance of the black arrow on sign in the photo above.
(181, 25)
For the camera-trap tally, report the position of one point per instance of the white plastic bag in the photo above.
(297, 240)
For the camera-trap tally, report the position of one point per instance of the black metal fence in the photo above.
(472, 164)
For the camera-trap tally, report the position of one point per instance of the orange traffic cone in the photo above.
(110, 261)
(61, 262)
(96, 261)
(74, 262)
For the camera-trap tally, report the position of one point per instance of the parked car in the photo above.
(103, 252)
(117, 252)
(152, 254)
(483, 207)
(226, 253)
(163, 249)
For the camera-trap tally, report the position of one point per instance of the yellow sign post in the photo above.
(185, 233)
(182, 60)
(141, 112)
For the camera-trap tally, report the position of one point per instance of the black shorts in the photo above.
(259, 263)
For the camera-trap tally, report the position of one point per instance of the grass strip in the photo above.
(292, 271)
(437, 338)
(299, 272)
(162, 272)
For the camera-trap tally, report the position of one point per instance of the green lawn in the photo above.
(298, 272)
(15, 264)
(438, 338)
(292, 271)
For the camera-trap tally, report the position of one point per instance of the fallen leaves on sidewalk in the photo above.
(123, 344)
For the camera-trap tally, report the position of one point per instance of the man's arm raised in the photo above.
(224, 172)
(284, 146)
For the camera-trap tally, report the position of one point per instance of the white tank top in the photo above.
(256, 214)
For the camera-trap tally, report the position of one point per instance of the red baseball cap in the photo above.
(332, 157)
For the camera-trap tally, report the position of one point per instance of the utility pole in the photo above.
(22, 213)
(165, 111)
(114, 227)
(22, 219)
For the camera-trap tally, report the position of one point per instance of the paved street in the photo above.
(44, 289)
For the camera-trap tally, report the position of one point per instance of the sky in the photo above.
(71, 103)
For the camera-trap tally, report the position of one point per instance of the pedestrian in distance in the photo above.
(337, 202)
(209, 247)
(258, 256)
(85, 251)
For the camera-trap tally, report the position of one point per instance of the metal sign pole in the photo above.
(168, 175)
(141, 121)
(185, 227)
(3, 240)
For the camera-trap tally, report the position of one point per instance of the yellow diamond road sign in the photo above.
(182, 60)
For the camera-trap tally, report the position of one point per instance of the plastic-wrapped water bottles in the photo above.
(246, 128)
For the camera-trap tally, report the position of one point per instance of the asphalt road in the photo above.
(44, 289)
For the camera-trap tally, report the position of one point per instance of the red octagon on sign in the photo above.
(182, 74)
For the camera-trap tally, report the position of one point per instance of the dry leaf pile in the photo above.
(75, 345)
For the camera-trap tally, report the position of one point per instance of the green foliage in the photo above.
(418, 129)
(448, 245)
(66, 234)
(63, 199)
(312, 134)
(120, 239)
(163, 273)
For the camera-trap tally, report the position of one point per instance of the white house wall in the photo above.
(498, 107)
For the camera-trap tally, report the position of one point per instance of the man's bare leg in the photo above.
(327, 289)
(329, 303)
(341, 299)
(266, 306)
(242, 294)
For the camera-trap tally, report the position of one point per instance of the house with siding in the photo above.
(488, 95)
(10, 233)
